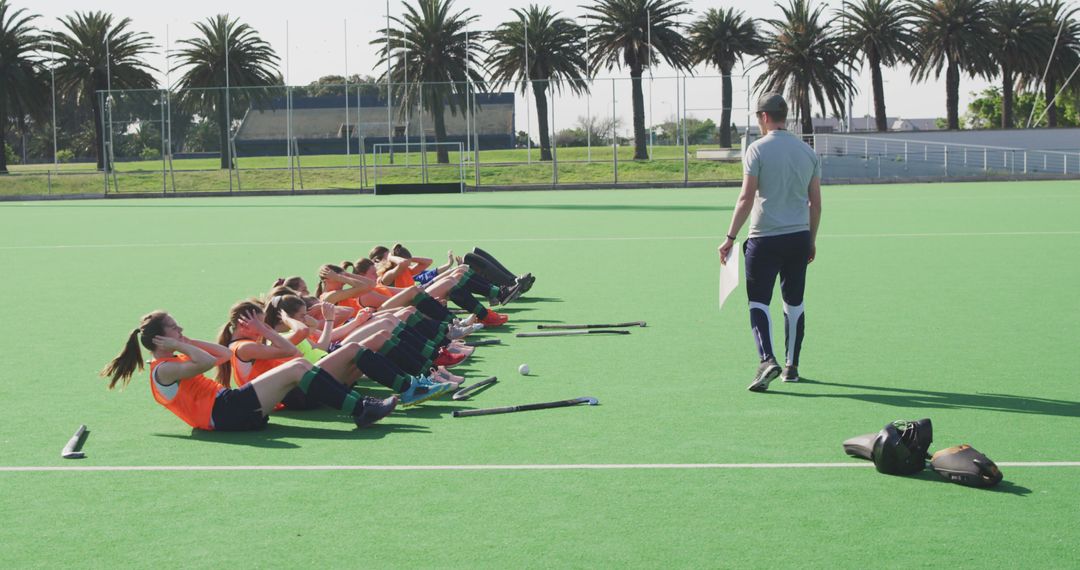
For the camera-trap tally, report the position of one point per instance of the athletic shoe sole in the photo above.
(393, 406)
(762, 384)
(430, 395)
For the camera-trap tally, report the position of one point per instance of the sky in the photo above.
(328, 37)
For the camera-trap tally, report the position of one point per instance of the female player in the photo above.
(256, 348)
(178, 382)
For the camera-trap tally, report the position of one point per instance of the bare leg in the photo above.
(369, 329)
(272, 385)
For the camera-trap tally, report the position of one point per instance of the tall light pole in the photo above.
(52, 73)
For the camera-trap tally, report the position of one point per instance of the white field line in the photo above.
(523, 467)
(508, 240)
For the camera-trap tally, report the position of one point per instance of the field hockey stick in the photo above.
(483, 342)
(465, 392)
(617, 325)
(71, 450)
(525, 407)
(572, 332)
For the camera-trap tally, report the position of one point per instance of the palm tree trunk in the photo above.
(880, 120)
(641, 149)
(1006, 97)
(725, 113)
(952, 95)
(1051, 105)
(540, 94)
(3, 130)
(223, 129)
(806, 113)
(438, 110)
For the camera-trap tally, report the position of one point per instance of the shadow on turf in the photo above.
(904, 398)
(1005, 486)
(584, 207)
(272, 436)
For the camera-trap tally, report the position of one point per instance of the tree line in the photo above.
(430, 56)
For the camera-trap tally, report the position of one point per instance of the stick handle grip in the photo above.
(73, 443)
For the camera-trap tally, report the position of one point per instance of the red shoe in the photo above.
(494, 319)
(448, 359)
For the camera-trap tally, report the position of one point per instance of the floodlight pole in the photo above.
(106, 160)
(389, 95)
(52, 72)
(528, 86)
(648, 41)
(348, 134)
(588, 94)
(228, 113)
(288, 115)
(468, 94)
(168, 109)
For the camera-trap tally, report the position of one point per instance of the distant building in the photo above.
(320, 125)
(914, 125)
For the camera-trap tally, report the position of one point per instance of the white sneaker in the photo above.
(457, 332)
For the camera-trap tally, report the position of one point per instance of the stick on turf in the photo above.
(617, 325)
(71, 450)
(525, 407)
(484, 342)
(569, 333)
(465, 392)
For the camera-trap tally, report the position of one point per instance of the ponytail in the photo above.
(348, 266)
(225, 337)
(121, 368)
(224, 370)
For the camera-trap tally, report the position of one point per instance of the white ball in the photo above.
(524, 369)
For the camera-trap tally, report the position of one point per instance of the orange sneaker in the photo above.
(494, 319)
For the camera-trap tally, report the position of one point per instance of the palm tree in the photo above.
(554, 56)
(880, 31)
(250, 60)
(94, 55)
(430, 46)
(633, 33)
(804, 57)
(1019, 44)
(721, 38)
(1057, 61)
(21, 87)
(954, 34)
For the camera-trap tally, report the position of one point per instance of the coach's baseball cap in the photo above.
(771, 103)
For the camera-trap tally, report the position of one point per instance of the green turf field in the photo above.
(950, 301)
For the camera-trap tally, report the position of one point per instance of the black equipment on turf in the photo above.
(964, 465)
(71, 450)
(900, 447)
(483, 342)
(464, 392)
(569, 333)
(614, 326)
(525, 407)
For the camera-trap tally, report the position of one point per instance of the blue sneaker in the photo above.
(423, 388)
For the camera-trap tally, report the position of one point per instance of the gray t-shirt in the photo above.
(784, 166)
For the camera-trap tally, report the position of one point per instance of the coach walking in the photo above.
(781, 193)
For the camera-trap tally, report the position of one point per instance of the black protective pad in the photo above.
(964, 465)
(861, 446)
(900, 447)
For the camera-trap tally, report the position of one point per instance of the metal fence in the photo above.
(868, 158)
(296, 139)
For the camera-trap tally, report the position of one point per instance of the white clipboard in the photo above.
(729, 274)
